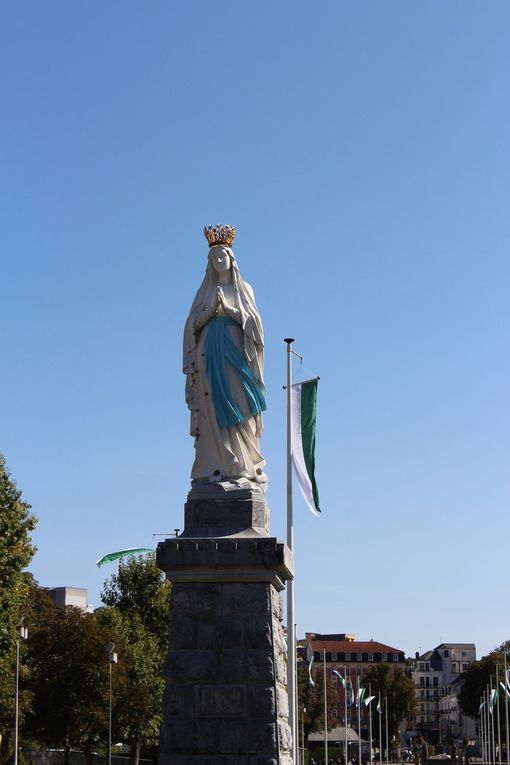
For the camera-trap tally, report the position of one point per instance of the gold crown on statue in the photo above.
(220, 235)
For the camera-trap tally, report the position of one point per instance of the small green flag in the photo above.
(123, 554)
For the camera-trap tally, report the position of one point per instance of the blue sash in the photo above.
(221, 350)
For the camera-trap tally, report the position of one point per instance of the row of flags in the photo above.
(358, 700)
(493, 697)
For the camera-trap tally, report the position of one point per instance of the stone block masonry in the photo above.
(225, 701)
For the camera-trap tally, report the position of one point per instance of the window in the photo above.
(422, 681)
(446, 654)
(333, 657)
(334, 713)
(359, 657)
(384, 657)
(370, 657)
(395, 657)
(422, 666)
(464, 667)
(436, 682)
(347, 657)
(422, 694)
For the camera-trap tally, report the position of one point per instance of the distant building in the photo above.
(69, 596)
(437, 679)
(352, 659)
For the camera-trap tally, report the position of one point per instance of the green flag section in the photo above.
(303, 418)
(360, 696)
(337, 674)
(123, 554)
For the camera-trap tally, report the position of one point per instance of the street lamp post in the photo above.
(22, 635)
(112, 659)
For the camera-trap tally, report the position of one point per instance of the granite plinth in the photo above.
(226, 508)
(234, 559)
(225, 699)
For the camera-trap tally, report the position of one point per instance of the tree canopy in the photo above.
(137, 600)
(478, 677)
(311, 698)
(16, 552)
(393, 684)
(68, 680)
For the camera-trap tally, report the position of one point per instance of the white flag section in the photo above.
(304, 410)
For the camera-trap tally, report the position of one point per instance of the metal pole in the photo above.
(370, 721)
(481, 732)
(497, 712)
(506, 712)
(387, 738)
(296, 708)
(16, 707)
(358, 700)
(380, 729)
(493, 736)
(345, 713)
(303, 736)
(110, 718)
(290, 544)
(488, 728)
(325, 709)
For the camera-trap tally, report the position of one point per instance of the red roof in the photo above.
(351, 646)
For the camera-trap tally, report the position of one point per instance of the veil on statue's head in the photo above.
(244, 300)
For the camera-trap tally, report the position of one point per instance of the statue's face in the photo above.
(220, 259)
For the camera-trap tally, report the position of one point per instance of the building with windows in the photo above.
(438, 683)
(352, 659)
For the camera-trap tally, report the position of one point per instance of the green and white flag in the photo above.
(337, 673)
(360, 696)
(304, 410)
(122, 554)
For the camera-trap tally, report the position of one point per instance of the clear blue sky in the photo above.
(362, 151)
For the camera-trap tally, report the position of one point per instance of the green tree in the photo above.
(69, 680)
(393, 684)
(138, 603)
(16, 552)
(478, 676)
(311, 698)
(140, 588)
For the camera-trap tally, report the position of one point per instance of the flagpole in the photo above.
(290, 545)
(296, 708)
(325, 710)
(380, 729)
(345, 712)
(482, 752)
(358, 700)
(488, 728)
(370, 721)
(491, 710)
(497, 712)
(507, 691)
(489, 738)
(386, 723)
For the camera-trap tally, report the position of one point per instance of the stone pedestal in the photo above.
(226, 680)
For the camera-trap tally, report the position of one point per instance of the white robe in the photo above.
(232, 452)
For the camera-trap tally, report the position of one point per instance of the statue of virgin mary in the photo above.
(223, 364)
